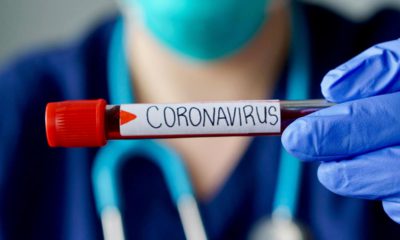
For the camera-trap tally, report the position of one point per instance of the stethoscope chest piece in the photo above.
(277, 229)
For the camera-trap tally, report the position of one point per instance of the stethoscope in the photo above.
(110, 158)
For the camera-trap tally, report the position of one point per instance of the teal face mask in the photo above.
(203, 29)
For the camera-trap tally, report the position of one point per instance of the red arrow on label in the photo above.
(126, 117)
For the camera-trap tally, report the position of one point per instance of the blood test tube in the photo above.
(90, 123)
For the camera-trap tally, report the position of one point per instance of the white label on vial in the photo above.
(225, 118)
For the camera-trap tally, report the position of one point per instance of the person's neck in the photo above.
(161, 76)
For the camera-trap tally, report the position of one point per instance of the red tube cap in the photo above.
(76, 123)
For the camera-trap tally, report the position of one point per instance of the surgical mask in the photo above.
(203, 29)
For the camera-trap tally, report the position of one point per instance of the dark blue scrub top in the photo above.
(47, 194)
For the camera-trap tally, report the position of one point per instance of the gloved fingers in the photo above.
(346, 129)
(392, 209)
(374, 72)
(374, 175)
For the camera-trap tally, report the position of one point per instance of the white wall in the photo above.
(357, 9)
(28, 23)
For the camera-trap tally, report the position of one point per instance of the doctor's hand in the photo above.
(357, 140)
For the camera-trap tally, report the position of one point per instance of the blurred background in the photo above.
(40, 23)
(28, 24)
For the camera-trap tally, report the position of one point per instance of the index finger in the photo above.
(375, 71)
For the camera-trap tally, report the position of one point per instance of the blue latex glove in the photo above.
(358, 140)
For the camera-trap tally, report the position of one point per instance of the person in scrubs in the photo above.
(188, 50)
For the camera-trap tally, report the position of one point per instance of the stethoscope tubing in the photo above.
(110, 158)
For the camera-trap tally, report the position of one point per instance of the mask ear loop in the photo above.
(110, 158)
